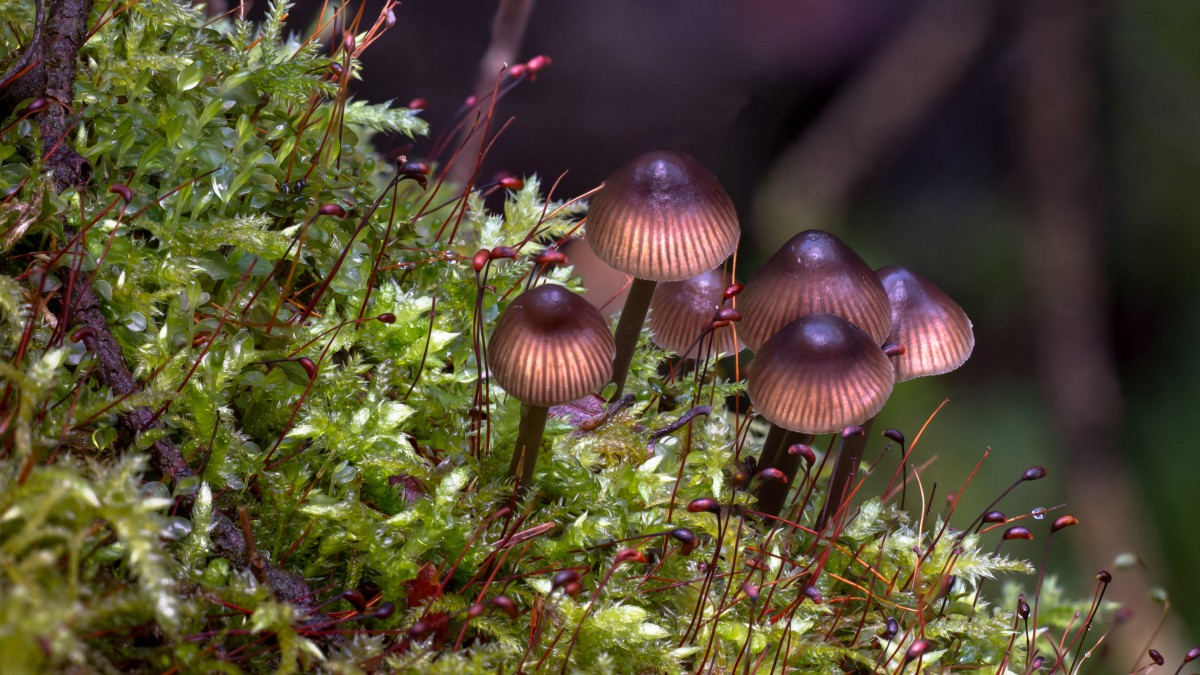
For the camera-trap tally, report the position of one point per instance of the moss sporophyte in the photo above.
(277, 397)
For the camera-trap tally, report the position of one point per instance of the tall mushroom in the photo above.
(661, 217)
(935, 337)
(549, 347)
(682, 313)
(816, 375)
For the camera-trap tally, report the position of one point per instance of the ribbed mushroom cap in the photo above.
(662, 217)
(606, 287)
(681, 310)
(934, 330)
(819, 374)
(550, 347)
(813, 272)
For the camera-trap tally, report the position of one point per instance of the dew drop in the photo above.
(176, 528)
(1038, 513)
(154, 490)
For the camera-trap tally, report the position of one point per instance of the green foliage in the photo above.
(385, 471)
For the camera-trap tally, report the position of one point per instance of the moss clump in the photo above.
(304, 323)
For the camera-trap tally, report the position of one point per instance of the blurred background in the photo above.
(1038, 160)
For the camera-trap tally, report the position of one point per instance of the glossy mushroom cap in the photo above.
(606, 287)
(681, 310)
(819, 374)
(934, 331)
(662, 217)
(550, 347)
(814, 272)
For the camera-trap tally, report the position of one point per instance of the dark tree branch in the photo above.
(47, 69)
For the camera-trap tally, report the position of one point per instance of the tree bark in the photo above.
(47, 70)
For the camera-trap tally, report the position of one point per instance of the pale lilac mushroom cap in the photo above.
(934, 331)
(662, 217)
(813, 272)
(818, 375)
(550, 347)
(680, 311)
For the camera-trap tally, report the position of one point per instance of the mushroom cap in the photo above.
(606, 288)
(934, 330)
(662, 217)
(813, 272)
(681, 310)
(819, 374)
(550, 347)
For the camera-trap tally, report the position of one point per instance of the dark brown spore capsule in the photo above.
(915, 650)
(1018, 532)
(704, 504)
(1034, 473)
(1063, 522)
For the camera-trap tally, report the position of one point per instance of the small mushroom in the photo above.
(682, 314)
(934, 331)
(660, 217)
(813, 272)
(549, 347)
(936, 337)
(816, 375)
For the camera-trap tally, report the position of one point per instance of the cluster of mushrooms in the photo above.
(831, 335)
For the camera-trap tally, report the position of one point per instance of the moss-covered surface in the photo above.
(244, 282)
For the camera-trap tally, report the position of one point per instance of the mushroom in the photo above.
(934, 337)
(816, 375)
(682, 315)
(934, 331)
(549, 347)
(660, 217)
(813, 272)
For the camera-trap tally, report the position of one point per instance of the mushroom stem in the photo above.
(629, 328)
(850, 455)
(770, 447)
(529, 440)
(772, 494)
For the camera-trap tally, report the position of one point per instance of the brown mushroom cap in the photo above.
(819, 374)
(934, 331)
(681, 310)
(662, 217)
(813, 272)
(550, 347)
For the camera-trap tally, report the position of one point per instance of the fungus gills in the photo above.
(549, 347)
(660, 217)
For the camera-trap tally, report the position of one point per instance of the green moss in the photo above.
(385, 472)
